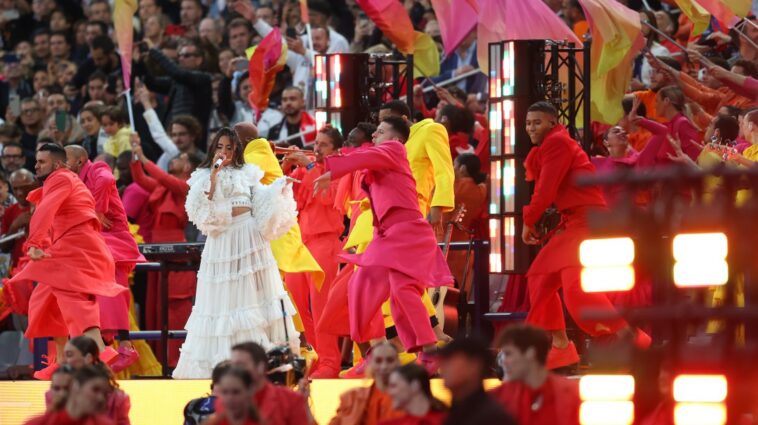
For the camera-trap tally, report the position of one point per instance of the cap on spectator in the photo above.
(472, 347)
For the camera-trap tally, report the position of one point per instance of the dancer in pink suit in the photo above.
(98, 177)
(403, 258)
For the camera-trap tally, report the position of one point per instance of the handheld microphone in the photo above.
(218, 163)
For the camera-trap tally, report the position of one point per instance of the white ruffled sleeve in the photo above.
(210, 216)
(274, 208)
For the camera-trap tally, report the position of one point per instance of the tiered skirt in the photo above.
(240, 298)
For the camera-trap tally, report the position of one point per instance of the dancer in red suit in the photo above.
(69, 259)
(98, 177)
(553, 164)
(403, 258)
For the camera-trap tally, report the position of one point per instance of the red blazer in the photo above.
(554, 166)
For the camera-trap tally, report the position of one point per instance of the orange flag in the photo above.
(392, 18)
(304, 16)
(123, 12)
(266, 60)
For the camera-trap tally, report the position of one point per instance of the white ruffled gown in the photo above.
(240, 295)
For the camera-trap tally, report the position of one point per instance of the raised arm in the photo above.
(380, 157)
(144, 181)
(175, 185)
(178, 73)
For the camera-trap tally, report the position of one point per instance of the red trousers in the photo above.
(369, 287)
(310, 301)
(181, 290)
(547, 312)
(58, 313)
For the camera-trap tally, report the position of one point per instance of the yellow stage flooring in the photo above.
(162, 401)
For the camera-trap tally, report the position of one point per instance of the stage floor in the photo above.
(162, 401)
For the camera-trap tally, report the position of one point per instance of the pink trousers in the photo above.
(114, 311)
(369, 287)
(58, 313)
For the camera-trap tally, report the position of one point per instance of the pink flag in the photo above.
(456, 19)
(517, 20)
(123, 12)
(725, 10)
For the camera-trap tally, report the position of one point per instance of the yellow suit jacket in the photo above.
(292, 256)
(431, 165)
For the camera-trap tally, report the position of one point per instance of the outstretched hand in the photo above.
(322, 183)
(36, 254)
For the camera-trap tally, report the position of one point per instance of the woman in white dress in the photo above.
(240, 296)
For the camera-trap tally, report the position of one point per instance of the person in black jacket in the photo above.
(103, 58)
(464, 365)
(187, 87)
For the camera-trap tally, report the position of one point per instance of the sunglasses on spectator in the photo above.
(188, 55)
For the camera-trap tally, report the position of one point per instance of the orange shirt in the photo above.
(647, 97)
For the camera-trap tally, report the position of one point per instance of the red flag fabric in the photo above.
(517, 20)
(266, 61)
(456, 19)
(393, 20)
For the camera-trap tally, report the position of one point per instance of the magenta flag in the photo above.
(517, 20)
(456, 19)
(123, 12)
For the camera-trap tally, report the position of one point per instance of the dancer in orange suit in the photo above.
(322, 226)
(69, 259)
(554, 163)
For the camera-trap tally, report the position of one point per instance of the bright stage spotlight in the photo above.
(700, 259)
(607, 264)
(606, 400)
(700, 399)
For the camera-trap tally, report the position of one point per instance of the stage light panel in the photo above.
(496, 128)
(700, 388)
(699, 414)
(606, 413)
(509, 70)
(496, 182)
(320, 117)
(700, 259)
(509, 128)
(606, 400)
(496, 256)
(509, 185)
(509, 240)
(607, 264)
(606, 387)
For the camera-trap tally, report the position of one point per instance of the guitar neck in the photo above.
(446, 240)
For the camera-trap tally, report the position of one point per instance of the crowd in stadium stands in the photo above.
(61, 83)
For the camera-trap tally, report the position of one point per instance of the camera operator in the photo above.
(278, 404)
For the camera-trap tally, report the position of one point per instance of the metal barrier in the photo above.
(478, 308)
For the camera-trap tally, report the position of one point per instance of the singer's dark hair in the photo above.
(238, 159)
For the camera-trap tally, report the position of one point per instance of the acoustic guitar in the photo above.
(438, 294)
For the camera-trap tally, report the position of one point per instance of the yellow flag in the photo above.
(696, 13)
(616, 40)
(426, 57)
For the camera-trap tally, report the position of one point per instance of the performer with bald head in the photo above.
(97, 176)
(69, 259)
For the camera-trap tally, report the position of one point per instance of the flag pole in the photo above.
(743, 35)
(311, 49)
(128, 95)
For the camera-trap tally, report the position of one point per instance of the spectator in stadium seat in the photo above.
(103, 58)
(187, 85)
(279, 405)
